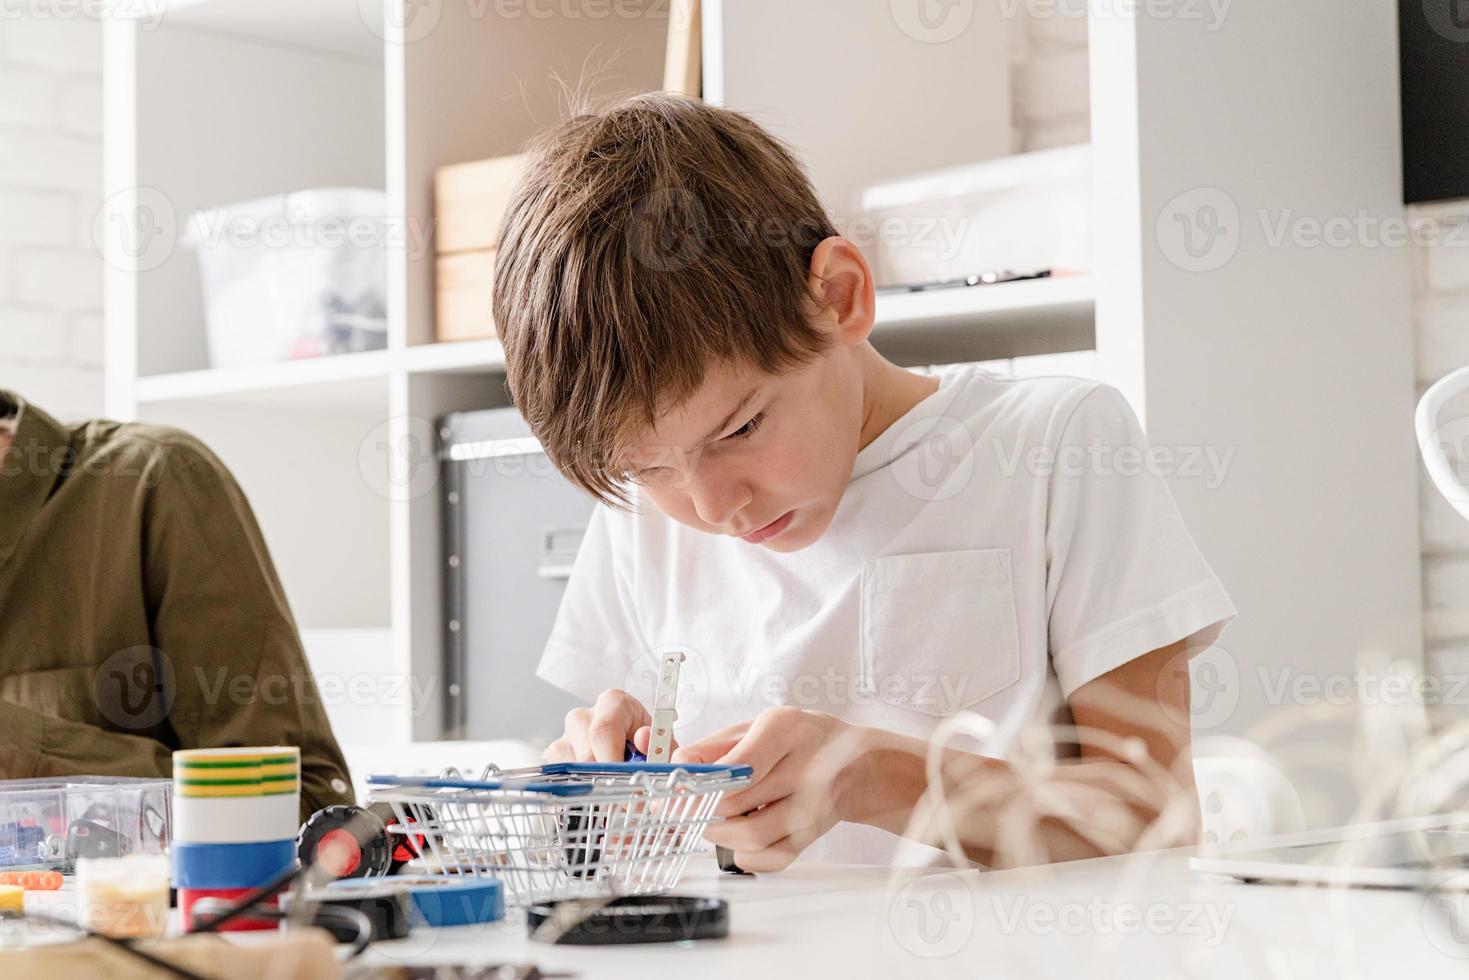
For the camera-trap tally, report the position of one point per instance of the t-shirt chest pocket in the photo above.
(938, 630)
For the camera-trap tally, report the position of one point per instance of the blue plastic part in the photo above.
(562, 768)
(630, 753)
(463, 903)
(441, 900)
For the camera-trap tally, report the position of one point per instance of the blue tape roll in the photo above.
(441, 900)
(230, 865)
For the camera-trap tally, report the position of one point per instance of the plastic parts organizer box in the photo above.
(51, 823)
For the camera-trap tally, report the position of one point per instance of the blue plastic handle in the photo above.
(554, 789)
(562, 768)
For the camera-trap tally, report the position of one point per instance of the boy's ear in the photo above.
(842, 280)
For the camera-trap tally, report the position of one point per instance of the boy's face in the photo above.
(758, 456)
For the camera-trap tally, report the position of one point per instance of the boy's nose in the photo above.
(717, 501)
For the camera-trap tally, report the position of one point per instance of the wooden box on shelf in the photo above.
(469, 202)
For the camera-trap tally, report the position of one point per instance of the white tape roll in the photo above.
(235, 819)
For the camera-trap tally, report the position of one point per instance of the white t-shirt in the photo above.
(1000, 545)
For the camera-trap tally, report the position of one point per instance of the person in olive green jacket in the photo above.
(140, 611)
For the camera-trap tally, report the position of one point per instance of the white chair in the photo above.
(1431, 437)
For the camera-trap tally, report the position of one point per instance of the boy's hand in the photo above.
(798, 792)
(600, 733)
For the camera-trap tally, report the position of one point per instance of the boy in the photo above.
(846, 551)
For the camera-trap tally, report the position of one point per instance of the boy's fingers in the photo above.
(713, 747)
(778, 856)
(559, 751)
(615, 716)
(770, 786)
(641, 737)
(577, 720)
(784, 778)
(762, 747)
(755, 830)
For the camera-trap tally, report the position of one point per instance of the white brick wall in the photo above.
(1441, 322)
(50, 185)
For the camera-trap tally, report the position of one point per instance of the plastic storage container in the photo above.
(53, 823)
(293, 275)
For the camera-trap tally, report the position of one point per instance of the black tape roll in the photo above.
(630, 919)
(390, 911)
(353, 836)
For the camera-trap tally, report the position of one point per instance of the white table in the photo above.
(1127, 917)
(1134, 916)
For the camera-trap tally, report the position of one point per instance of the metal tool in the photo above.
(660, 740)
(665, 710)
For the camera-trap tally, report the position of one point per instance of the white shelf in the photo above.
(230, 382)
(460, 356)
(961, 312)
(978, 323)
(973, 305)
(297, 379)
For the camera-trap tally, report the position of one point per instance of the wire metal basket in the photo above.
(565, 830)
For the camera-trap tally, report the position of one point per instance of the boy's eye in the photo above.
(748, 429)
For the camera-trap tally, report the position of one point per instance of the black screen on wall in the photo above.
(1433, 42)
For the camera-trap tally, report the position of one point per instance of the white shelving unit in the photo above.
(215, 101)
(1298, 358)
(976, 323)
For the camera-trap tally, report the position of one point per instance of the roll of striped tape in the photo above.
(439, 900)
(235, 819)
(230, 865)
(189, 897)
(237, 772)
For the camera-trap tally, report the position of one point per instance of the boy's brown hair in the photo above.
(645, 243)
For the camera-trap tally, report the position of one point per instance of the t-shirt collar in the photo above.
(879, 452)
(30, 468)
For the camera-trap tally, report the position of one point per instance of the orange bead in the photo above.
(36, 881)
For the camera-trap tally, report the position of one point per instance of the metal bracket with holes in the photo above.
(665, 711)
